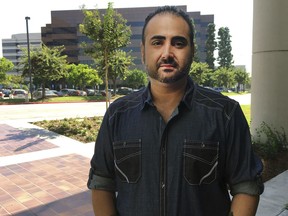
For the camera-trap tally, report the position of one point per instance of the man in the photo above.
(173, 148)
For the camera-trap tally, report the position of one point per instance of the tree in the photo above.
(198, 71)
(225, 57)
(5, 66)
(241, 77)
(224, 77)
(211, 45)
(136, 79)
(82, 75)
(47, 64)
(208, 78)
(14, 81)
(196, 56)
(107, 34)
(118, 66)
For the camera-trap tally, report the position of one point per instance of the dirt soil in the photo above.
(274, 167)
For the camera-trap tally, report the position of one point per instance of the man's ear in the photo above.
(142, 53)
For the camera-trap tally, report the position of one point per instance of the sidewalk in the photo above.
(43, 173)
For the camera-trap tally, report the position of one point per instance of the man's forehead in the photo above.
(166, 23)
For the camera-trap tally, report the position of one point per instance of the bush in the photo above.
(269, 141)
(81, 129)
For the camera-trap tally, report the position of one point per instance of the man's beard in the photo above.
(181, 73)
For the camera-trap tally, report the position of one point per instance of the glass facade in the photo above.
(12, 48)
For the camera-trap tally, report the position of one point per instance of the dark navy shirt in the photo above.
(182, 167)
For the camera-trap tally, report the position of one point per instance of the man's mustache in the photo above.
(169, 61)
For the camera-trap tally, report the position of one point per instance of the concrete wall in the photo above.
(269, 98)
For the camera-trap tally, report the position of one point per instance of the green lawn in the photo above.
(56, 100)
(247, 112)
(74, 99)
(233, 93)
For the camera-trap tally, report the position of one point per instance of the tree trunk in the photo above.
(114, 87)
(106, 77)
(43, 91)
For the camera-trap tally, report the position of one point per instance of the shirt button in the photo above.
(162, 185)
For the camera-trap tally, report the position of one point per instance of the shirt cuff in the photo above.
(99, 182)
(248, 187)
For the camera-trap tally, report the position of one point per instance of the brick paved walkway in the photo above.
(45, 174)
(42, 173)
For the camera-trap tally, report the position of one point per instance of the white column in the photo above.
(269, 98)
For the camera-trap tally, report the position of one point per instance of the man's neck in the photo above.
(166, 97)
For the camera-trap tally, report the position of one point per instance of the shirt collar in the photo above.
(186, 100)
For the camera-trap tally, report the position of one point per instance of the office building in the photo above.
(12, 48)
(64, 30)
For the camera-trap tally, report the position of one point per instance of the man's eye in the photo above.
(156, 43)
(179, 44)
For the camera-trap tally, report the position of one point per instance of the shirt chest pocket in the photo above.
(200, 162)
(127, 160)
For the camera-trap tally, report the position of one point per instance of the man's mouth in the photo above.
(167, 67)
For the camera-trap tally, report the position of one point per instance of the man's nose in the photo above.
(167, 52)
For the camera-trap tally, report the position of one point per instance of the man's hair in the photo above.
(170, 10)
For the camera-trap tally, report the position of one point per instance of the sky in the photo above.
(235, 14)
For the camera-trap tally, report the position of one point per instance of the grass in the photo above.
(11, 101)
(69, 99)
(247, 112)
(233, 93)
(74, 99)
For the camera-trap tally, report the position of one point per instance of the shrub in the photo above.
(269, 141)
(81, 129)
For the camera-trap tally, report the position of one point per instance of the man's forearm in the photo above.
(103, 203)
(244, 205)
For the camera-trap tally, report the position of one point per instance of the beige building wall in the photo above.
(269, 98)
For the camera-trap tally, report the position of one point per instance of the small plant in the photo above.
(82, 129)
(269, 141)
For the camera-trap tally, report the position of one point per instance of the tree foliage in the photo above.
(136, 79)
(196, 53)
(47, 64)
(5, 66)
(225, 57)
(211, 45)
(118, 66)
(241, 77)
(224, 77)
(199, 72)
(107, 33)
(14, 81)
(82, 75)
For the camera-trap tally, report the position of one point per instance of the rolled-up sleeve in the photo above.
(243, 167)
(101, 174)
(249, 187)
(99, 182)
